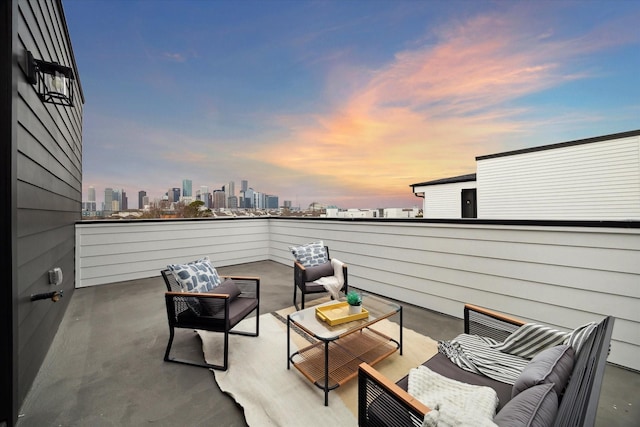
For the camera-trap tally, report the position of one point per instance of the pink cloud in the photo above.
(433, 109)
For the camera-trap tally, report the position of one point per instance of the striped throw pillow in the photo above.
(580, 335)
(530, 339)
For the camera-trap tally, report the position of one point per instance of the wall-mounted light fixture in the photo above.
(54, 82)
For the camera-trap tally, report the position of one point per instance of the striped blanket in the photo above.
(476, 354)
(503, 361)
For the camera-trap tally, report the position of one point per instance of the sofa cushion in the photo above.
(553, 365)
(536, 406)
(318, 271)
(310, 254)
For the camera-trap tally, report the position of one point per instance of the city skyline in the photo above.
(342, 103)
(135, 195)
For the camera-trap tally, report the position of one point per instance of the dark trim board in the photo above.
(466, 221)
(8, 288)
(462, 178)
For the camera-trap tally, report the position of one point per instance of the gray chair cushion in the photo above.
(553, 365)
(318, 271)
(211, 306)
(536, 406)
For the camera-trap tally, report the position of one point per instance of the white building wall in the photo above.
(592, 181)
(444, 200)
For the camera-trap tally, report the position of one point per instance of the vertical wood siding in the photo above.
(599, 180)
(49, 187)
(559, 275)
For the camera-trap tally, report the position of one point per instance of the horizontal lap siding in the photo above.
(562, 276)
(599, 180)
(444, 200)
(48, 187)
(117, 252)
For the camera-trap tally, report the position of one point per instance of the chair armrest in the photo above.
(488, 323)
(382, 401)
(299, 275)
(173, 295)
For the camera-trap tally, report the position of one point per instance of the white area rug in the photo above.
(271, 395)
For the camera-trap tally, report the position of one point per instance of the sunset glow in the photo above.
(343, 103)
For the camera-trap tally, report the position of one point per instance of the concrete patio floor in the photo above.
(105, 366)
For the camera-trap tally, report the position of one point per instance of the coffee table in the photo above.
(335, 352)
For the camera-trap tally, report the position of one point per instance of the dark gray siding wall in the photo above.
(48, 186)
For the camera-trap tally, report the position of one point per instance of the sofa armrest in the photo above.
(382, 402)
(488, 323)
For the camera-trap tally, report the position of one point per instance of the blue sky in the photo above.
(345, 103)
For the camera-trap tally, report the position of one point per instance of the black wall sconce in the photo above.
(54, 82)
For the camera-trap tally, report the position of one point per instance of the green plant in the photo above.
(354, 298)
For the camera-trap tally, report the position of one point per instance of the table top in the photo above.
(377, 307)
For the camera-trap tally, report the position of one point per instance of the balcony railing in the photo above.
(561, 274)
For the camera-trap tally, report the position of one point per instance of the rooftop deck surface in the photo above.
(105, 366)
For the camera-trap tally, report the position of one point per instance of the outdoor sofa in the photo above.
(382, 402)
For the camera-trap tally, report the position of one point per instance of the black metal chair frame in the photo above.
(300, 281)
(180, 315)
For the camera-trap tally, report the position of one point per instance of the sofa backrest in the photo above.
(579, 402)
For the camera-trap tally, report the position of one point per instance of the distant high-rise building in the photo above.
(186, 188)
(271, 202)
(249, 199)
(145, 201)
(204, 196)
(219, 199)
(244, 184)
(173, 194)
(124, 201)
(287, 204)
(108, 199)
(141, 195)
(90, 204)
(231, 189)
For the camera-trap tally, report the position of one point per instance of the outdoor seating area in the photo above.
(558, 385)
(106, 367)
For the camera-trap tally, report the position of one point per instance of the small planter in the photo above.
(355, 309)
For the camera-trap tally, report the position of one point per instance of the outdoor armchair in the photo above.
(304, 278)
(218, 311)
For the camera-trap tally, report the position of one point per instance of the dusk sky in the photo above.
(344, 103)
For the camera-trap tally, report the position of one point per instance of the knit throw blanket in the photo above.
(452, 402)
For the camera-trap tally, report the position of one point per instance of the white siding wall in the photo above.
(444, 200)
(562, 276)
(114, 252)
(594, 181)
